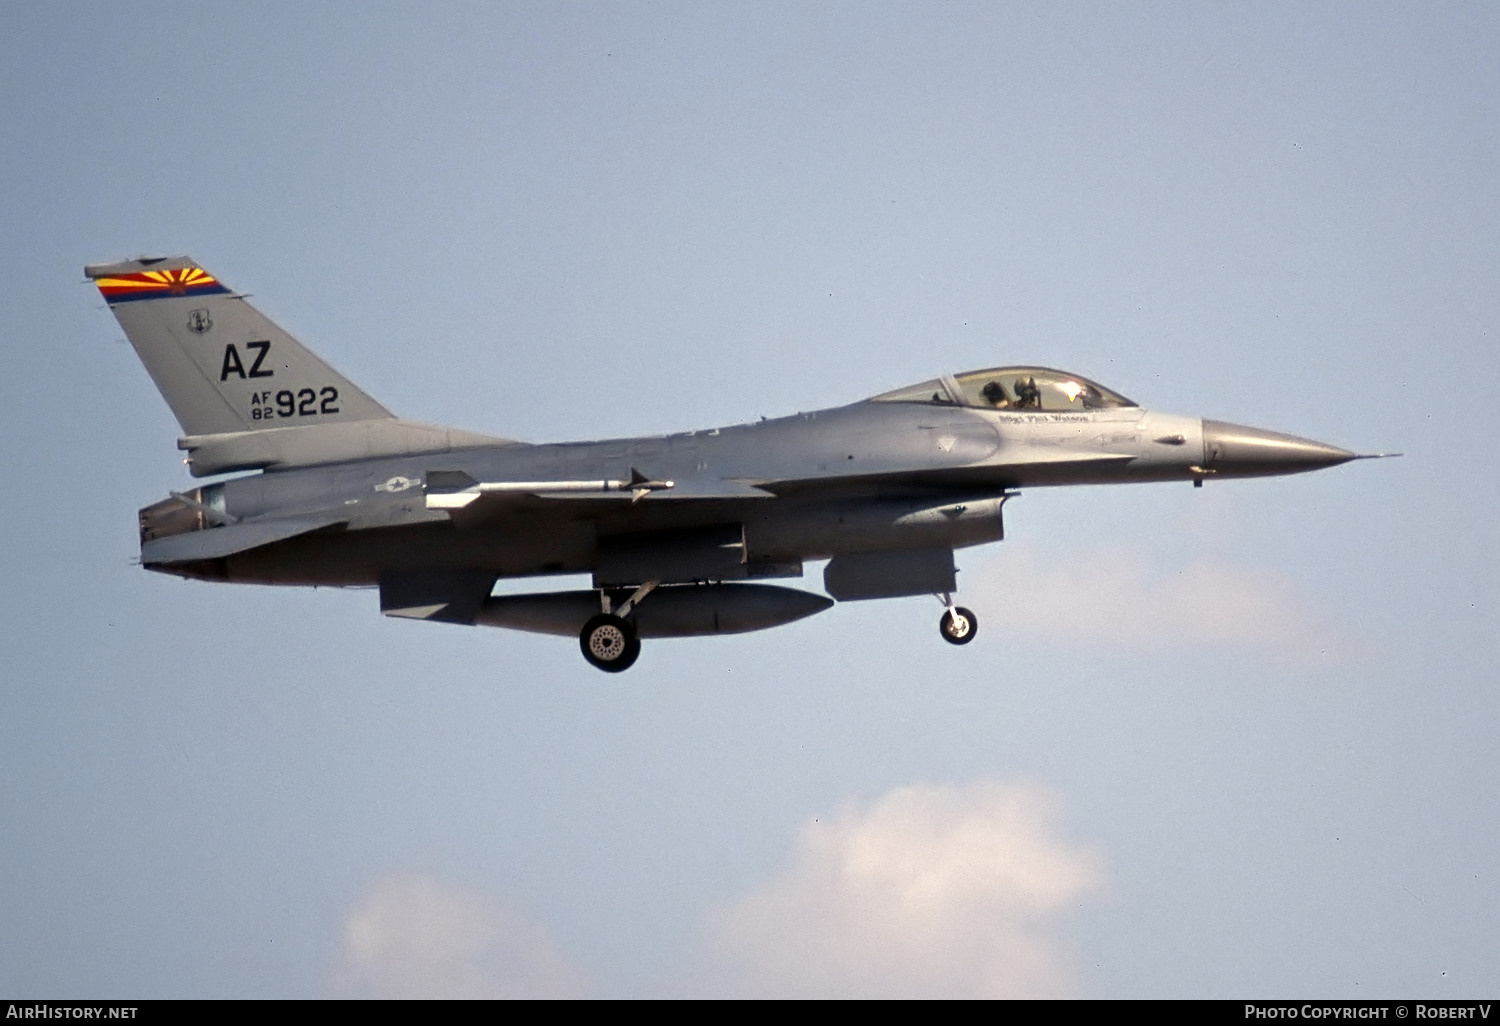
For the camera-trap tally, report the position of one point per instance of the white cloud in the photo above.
(1111, 596)
(930, 892)
(412, 937)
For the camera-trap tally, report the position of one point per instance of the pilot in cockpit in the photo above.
(1028, 396)
(994, 394)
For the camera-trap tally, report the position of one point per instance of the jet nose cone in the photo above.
(1232, 450)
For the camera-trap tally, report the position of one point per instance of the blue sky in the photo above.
(1209, 743)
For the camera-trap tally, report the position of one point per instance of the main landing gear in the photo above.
(609, 640)
(958, 625)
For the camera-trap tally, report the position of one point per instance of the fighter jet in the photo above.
(678, 531)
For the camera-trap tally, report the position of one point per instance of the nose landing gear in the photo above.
(958, 625)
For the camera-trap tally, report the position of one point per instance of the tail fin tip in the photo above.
(149, 277)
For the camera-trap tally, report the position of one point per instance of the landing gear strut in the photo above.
(609, 641)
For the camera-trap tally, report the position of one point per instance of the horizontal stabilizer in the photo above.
(218, 542)
(312, 444)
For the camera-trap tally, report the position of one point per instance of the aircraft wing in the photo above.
(466, 499)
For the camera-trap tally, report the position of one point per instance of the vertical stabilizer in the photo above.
(222, 366)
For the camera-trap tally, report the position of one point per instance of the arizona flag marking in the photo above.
(177, 281)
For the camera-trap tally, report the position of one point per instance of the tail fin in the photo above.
(246, 393)
(220, 363)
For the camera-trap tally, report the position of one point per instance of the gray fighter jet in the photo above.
(676, 530)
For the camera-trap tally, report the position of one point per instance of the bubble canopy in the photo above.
(1014, 389)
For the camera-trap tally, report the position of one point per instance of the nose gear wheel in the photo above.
(958, 626)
